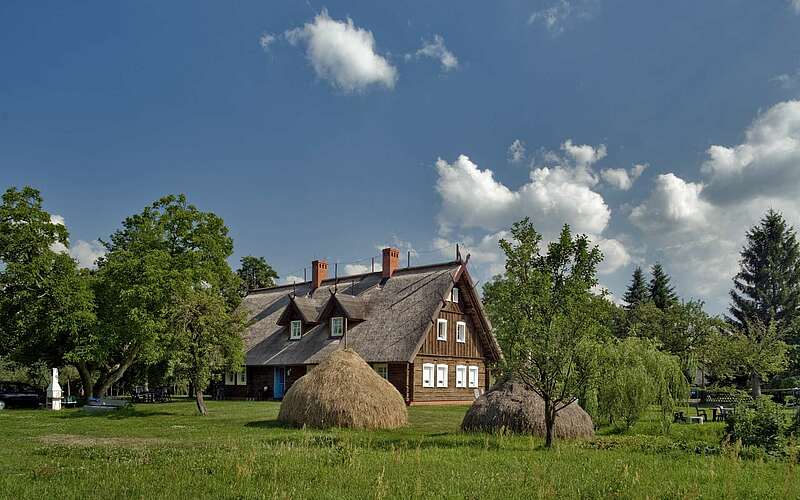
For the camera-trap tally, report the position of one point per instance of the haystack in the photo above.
(511, 407)
(343, 391)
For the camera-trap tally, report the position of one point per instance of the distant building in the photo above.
(423, 328)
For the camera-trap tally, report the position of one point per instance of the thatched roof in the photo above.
(397, 314)
(343, 391)
(511, 407)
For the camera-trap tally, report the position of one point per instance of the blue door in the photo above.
(279, 382)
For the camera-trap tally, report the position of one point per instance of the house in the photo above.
(423, 328)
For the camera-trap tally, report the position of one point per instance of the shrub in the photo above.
(794, 428)
(760, 423)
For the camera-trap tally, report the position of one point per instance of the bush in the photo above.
(760, 423)
(794, 428)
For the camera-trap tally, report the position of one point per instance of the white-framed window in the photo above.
(473, 376)
(296, 329)
(454, 295)
(428, 374)
(381, 369)
(241, 377)
(441, 329)
(230, 378)
(337, 326)
(461, 332)
(461, 376)
(441, 375)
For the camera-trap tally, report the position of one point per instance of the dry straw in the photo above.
(343, 391)
(511, 407)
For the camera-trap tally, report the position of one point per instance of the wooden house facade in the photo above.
(423, 328)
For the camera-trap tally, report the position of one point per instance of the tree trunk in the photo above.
(549, 422)
(113, 376)
(201, 404)
(755, 385)
(86, 380)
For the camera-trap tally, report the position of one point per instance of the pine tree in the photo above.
(637, 290)
(767, 287)
(660, 291)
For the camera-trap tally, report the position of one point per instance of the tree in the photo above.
(637, 291)
(256, 273)
(634, 374)
(206, 338)
(45, 300)
(542, 311)
(767, 287)
(756, 351)
(157, 255)
(659, 290)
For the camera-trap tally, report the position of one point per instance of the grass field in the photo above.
(239, 451)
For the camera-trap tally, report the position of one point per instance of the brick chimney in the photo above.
(319, 271)
(391, 261)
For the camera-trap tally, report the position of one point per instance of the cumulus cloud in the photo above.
(351, 269)
(795, 5)
(788, 81)
(516, 151)
(436, 49)
(622, 179)
(766, 164)
(84, 252)
(343, 54)
(697, 227)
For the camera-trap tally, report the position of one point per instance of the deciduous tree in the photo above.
(256, 273)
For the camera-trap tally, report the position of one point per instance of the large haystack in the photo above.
(343, 391)
(511, 407)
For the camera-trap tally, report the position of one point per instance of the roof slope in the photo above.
(397, 314)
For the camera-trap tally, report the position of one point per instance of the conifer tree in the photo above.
(660, 291)
(637, 290)
(767, 287)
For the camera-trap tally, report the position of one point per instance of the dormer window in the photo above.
(296, 330)
(337, 326)
(454, 296)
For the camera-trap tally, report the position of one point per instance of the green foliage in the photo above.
(542, 311)
(767, 287)
(794, 427)
(633, 374)
(45, 301)
(206, 338)
(151, 262)
(659, 291)
(760, 423)
(636, 293)
(256, 273)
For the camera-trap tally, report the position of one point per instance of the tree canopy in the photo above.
(542, 311)
(256, 273)
(660, 291)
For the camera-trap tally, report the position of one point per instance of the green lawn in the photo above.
(239, 451)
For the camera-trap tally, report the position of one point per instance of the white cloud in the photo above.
(351, 269)
(788, 81)
(561, 13)
(292, 279)
(343, 54)
(622, 179)
(436, 49)
(265, 40)
(615, 255)
(766, 164)
(84, 252)
(795, 5)
(698, 228)
(516, 151)
(584, 155)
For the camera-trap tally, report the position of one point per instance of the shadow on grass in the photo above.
(115, 414)
(268, 424)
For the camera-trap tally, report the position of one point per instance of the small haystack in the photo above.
(343, 391)
(511, 407)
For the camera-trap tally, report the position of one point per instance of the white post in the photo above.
(54, 392)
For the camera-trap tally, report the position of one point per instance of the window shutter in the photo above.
(441, 375)
(427, 375)
(473, 376)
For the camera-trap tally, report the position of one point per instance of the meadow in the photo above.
(240, 451)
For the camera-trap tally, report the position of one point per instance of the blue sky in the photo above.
(327, 130)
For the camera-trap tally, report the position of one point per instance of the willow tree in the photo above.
(542, 310)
